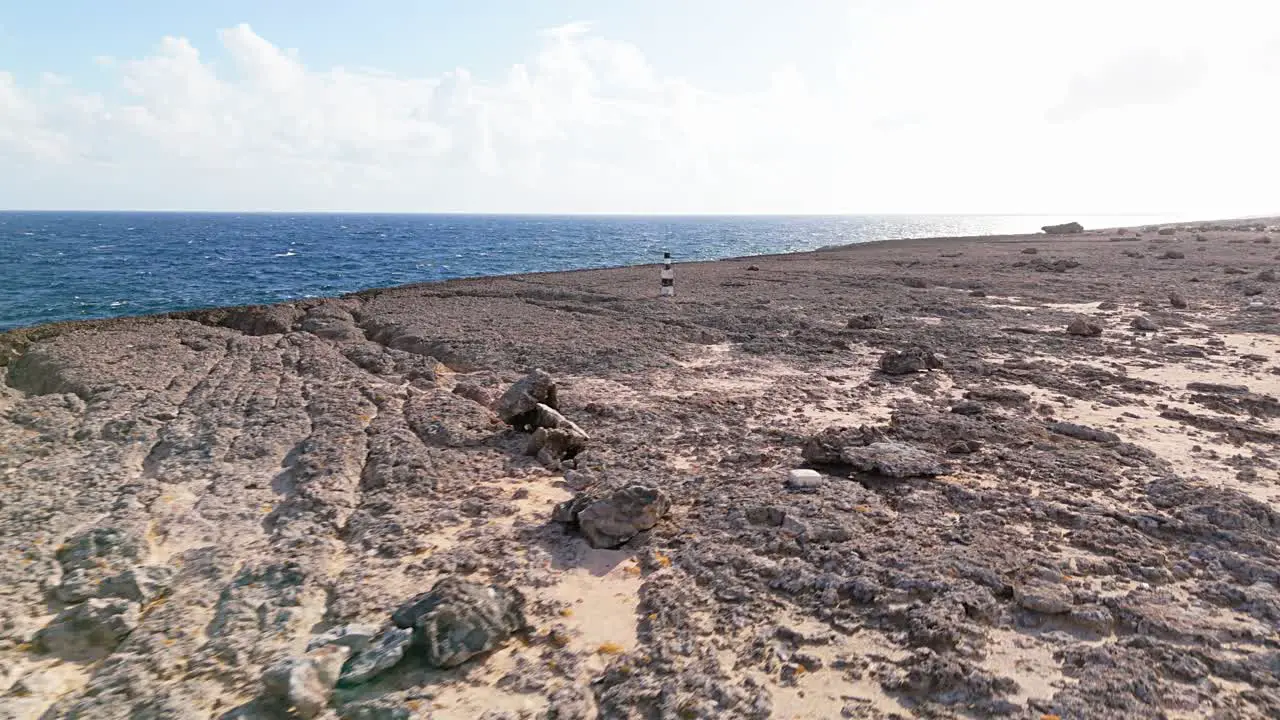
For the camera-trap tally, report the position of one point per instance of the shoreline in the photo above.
(1008, 517)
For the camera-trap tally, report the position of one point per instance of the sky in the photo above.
(700, 106)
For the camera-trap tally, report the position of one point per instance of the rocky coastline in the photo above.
(1018, 476)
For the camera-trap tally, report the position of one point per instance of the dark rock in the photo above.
(378, 654)
(1172, 255)
(553, 445)
(1009, 397)
(141, 584)
(977, 293)
(1082, 432)
(964, 447)
(892, 459)
(1267, 275)
(866, 321)
(1251, 290)
(967, 407)
(1108, 305)
(608, 521)
(1084, 327)
(1177, 300)
(94, 627)
(1070, 228)
(458, 619)
(521, 399)
(1043, 597)
(1218, 388)
(1093, 617)
(474, 393)
(910, 360)
(753, 268)
(825, 447)
(1029, 251)
(1167, 231)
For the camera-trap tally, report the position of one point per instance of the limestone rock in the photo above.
(1143, 323)
(378, 654)
(304, 684)
(556, 437)
(611, 520)
(910, 360)
(93, 627)
(1043, 597)
(804, 479)
(1083, 432)
(1070, 228)
(865, 321)
(524, 396)
(1084, 327)
(356, 636)
(892, 459)
(458, 619)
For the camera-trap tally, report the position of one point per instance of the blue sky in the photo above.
(713, 106)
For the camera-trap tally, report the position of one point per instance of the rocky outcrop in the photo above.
(908, 361)
(609, 520)
(1071, 228)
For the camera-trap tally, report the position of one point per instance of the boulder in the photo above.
(375, 655)
(522, 398)
(94, 627)
(556, 438)
(1070, 228)
(1084, 326)
(459, 619)
(304, 684)
(1143, 323)
(825, 447)
(910, 360)
(474, 393)
(892, 459)
(1177, 300)
(608, 521)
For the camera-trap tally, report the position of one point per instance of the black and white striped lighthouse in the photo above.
(668, 276)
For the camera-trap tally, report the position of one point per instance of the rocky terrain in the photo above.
(1037, 481)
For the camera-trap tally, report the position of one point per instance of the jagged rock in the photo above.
(1043, 597)
(967, 407)
(141, 584)
(1144, 324)
(1177, 300)
(910, 360)
(826, 447)
(572, 702)
(1070, 228)
(93, 627)
(522, 398)
(374, 711)
(556, 438)
(356, 636)
(1083, 432)
(1084, 327)
(458, 619)
(1093, 617)
(865, 321)
(1009, 397)
(474, 393)
(379, 654)
(304, 684)
(892, 459)
(91, 556)
(608, 521)
(964, 447)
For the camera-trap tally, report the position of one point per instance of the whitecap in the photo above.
(118, 303)
(286, 254)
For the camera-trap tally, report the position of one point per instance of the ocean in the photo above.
(77, 265)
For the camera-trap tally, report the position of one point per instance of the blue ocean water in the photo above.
(65, 266)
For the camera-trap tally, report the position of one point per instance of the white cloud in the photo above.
(990, 106)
